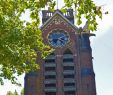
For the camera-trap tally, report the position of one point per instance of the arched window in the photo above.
(50, 58)
(68, 73)
(50, 75)
(67, 51)
(67, 56)
(50, 63)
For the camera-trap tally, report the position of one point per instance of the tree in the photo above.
(22, 91)
(10, 93)
(21, 41)
(15, 92)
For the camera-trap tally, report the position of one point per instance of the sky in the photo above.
(102, 47)
(102, 51)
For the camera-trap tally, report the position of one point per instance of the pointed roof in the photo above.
(58, 13)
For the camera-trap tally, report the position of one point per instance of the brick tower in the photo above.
(69, 69)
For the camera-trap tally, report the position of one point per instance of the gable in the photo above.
(58, 20)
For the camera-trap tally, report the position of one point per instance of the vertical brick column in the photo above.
(30, 83)
(78, 68)
(88, 76)
(59, 76)
(40, 78)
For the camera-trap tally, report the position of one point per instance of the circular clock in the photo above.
(58, 38)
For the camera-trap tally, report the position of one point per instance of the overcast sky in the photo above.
(102, 47)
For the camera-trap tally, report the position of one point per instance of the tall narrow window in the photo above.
(50, 75)
(69, 73)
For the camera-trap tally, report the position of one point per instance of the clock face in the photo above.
(58, 38)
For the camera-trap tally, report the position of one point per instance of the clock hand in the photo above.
(61, 40)
(62, 36)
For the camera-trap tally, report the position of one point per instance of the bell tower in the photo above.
(69, 69)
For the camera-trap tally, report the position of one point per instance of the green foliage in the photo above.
(11, 93)
(86, 9)
(15, 92)
(22, 92)
(21, 41)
